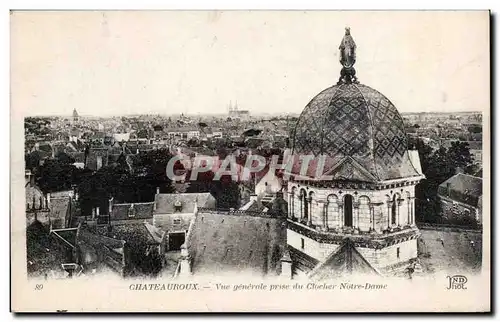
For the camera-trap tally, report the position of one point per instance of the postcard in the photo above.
(250, 161)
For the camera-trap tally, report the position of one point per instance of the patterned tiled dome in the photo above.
(360, 132)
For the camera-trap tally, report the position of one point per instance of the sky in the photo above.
(195, 62)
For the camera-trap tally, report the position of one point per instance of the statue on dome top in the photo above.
(347, 58)
(347, 49)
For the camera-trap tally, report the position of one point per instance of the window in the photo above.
(177, 221)
(302, 243)
(131, 211)
(397, 252)
(393, 210)
(348, 211)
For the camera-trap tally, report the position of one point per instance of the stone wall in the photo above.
(372, 209)
(312, 248)
(388, 256)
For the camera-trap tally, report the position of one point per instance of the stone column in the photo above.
(389, 214)
(413, 211)
(372, 217)
(325, 215)
(355, 215)
(309, 212)
(398, 205)
(341, 215)
(408, 205)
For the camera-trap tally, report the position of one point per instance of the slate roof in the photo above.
(44, 254)
(173, 222)
(84, 235)
(165, 202)
(139, 211)
(97, 250)
(59, 212)
(455, 255)
(67, 237)
(462, 188)
(227, 242)
(415, 161)
(301, 260)
(135, 234)
(345, 260)
(354, 121)
(78, 156)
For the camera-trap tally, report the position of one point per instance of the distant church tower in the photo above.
(358, 214)
(75, 116)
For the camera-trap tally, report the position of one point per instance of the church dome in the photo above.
(358, 130)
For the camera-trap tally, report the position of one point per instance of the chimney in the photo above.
(110, 205)
(286, 265)
(93, 213)
(185, 265)
(97, 211)
(157, 190)
(459, 170)
(48, 200)
(75, 193)
(448, 188)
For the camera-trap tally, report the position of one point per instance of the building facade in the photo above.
(358, 187)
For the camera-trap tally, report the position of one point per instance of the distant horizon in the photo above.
(145, 62)
(225, 115)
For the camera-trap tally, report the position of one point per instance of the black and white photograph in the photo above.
(251, 155)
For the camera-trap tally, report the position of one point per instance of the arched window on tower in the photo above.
(394, 210)
(303, 203)
(348, 211)
(306, 206)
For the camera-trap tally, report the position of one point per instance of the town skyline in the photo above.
(199, 61)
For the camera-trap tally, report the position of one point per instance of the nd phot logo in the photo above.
(456, 282)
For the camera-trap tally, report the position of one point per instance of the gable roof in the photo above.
(59, 212)
(345, 260)
(349, 169)
(132, 211)
(66, 236)
(462, 188)
(135, 234)
(165, 202)
(43, 253)
(415, 160)
(236, 242)
(96, 249)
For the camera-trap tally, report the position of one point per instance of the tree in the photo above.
(437, 166)
(460, 157)
(65, 158)
(56, 175)
(225, 191)
(475, 129)
(32, 160)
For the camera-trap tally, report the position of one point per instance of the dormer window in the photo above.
(131, 211)
(178, 206)
(177, 221)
